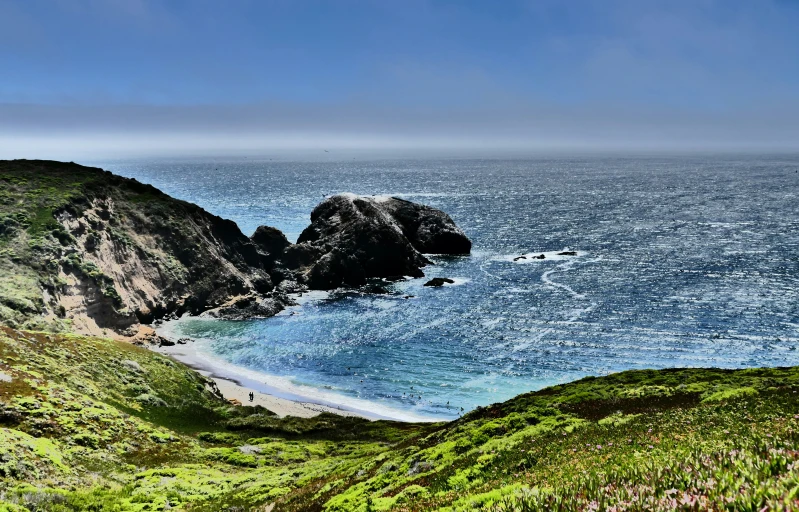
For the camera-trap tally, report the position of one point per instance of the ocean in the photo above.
(680, 262)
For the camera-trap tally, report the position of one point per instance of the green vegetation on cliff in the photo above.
(93, 424)
(84, 250)
(88, 423)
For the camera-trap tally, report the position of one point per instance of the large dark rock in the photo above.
(352, 238)
(270, 240)
(430, 231)
(438, 282)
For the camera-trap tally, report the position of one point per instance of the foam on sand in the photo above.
(279, 394)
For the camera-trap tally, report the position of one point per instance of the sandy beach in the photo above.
(237, 386)
(280, 406)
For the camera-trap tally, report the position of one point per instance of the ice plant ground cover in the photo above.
(94, 424)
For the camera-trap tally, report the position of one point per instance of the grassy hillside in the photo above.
(93, 424)
(84, 250)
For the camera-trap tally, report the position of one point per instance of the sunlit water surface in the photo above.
(681, 262)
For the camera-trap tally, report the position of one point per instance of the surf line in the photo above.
(486, 272)
(563, 267)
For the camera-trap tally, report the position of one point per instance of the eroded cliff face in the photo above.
(156, 265)
(109, 253)
(84, 250)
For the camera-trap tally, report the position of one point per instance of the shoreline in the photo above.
(236, 383)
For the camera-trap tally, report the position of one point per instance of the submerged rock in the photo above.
(567, 253)
(439, 281)
(243, 308)
(352, 238)
(376, 288)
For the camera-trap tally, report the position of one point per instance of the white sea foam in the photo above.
(310, 296)
(197, 355)
(533, 257)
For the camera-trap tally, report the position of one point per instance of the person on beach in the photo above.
(252, 396)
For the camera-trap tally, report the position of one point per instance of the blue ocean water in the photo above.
(681, 261)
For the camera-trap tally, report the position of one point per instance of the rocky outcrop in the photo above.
(250, 306)
(107, 253)
(429, 230)
(352, 238)
(438, 282)
(270, 241)
(100, 254)
(154, 259)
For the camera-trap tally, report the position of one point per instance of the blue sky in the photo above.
(141, 76)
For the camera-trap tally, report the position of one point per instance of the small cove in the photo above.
(680, 262)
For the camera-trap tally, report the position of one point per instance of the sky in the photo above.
(192, 77)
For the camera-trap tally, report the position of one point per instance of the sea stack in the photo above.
(352, 238)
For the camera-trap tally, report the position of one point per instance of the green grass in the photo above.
(94, 424)
(31, 239)
(76, 434)
(59, 222)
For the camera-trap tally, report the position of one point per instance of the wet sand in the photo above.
(239, 387)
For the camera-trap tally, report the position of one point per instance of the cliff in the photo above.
(91, 423)
(92, 252)
(84, 250)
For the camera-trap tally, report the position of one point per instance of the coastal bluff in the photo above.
(84, 250)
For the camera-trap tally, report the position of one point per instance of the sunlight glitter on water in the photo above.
(680, 262)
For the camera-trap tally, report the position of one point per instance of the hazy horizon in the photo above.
(138, 78)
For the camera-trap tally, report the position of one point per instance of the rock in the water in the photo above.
(353, 238)
(439, 281)
(376, 288)
(270, 240)
(539, 257)
(301, 255)
(430, 231)
(247, 307)
(567, 253)
(517, 258)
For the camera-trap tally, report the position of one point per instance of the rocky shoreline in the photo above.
(104, 255)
